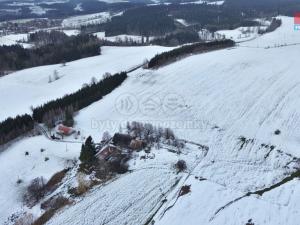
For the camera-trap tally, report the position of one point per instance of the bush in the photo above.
(83, 185)
(181, 165)
(19, 181)
(53, 205)
(277, 132)
(184, 190)
(56, 179)
(35, 191)
(45, 217)
(26, 219)
(55, 202)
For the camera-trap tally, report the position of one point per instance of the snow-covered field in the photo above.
(228, 94)
(77, 21)
(230, 100)
(142, 192)
(13, 39)
(31, 86)
(240, 34)
(204, 2)
(121, 37)
(16, 165)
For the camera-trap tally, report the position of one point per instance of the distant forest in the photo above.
(52, 47)
(160, 20)
(63, 9)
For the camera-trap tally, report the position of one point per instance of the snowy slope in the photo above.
(30, 87)
(141, 192)
(13, 39)
(227, 94)
(77, 21)
(15, 165)
(231, 100)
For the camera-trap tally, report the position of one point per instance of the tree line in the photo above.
(12, 128)
(48, 113)
(49, 51)
(171, 56)
(42, 37)
(275, 23)
(53, 110)
(177, 38)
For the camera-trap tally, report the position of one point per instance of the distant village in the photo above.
(27, 25)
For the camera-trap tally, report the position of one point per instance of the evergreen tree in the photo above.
(69, 120)
(88, 152)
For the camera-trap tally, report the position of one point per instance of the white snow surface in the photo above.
(31, 86)
(77, 21)
(122, 37)
(228, 94)
(15, 165)
(204, 2)
(247, 91)
(13, 39)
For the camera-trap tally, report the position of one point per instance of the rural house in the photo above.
(107, 151)
(64, 130)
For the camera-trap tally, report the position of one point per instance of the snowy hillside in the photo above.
(31, 87)
(13, 39)
(242, 102)
(236, 99)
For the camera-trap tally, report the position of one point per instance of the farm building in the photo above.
(107, 151)
(64, 130)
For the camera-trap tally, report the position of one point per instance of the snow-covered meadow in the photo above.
(13, 39)
(230, 100)
(77, 21)
(31, 87)
(230, 95)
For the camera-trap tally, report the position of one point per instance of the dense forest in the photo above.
(62, 9)
(159, 20)
(54, 110)
(41, 38)
(171, 56)
(146, 21)
(50, 50)
(12, 128)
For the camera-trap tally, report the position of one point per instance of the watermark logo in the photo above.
(126, 104)
(297, 21)
(150, 104)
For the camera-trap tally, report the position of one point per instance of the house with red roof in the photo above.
(64, 130)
